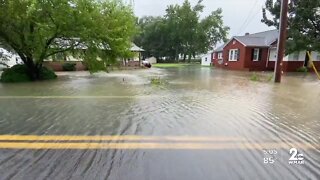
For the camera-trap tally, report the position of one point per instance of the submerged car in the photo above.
(146, 64)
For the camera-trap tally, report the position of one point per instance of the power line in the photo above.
(249, 22)
(245, 23)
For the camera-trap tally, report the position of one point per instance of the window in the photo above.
(206, 59)
(219, 55)
(233, 54)
(256, 54)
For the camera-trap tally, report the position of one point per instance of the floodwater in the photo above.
(199, 123)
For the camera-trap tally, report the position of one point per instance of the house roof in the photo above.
(220, 48)
(66, 43)
(260, 39)
(135, 48)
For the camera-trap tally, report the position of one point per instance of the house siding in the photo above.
(267, 60)
(261, 64)
(215, 59)
(234, 65)
(206, 60)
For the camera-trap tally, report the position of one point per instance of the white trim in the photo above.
(233, 38)
(268, 57)
(239, 41)
(258, 54)
(233, 57)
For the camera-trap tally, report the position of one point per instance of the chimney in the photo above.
(247, 34)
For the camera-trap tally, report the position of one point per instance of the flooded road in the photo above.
(199, 123)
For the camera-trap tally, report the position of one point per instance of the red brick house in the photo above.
(257, 52)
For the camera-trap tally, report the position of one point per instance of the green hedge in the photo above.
(19, 73)
(47, 74)
(302, 69)
(69, 66)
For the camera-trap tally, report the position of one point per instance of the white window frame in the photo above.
(233, 54)
(256, 52)
(220, 55)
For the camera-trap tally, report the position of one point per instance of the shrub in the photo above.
(157, 81)
(302, 69)
(254, 77)
(19, 73)
(69, 66)
(46, 74)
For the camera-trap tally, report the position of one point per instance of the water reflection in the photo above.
(195, 102)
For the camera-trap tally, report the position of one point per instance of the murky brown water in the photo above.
(232, 118)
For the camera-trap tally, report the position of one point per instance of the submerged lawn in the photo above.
(164, 65)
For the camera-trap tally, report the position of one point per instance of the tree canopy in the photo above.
(181, 31)
(38, 29)
(303, 23)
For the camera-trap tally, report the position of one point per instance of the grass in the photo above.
(255, 77)
(157, 81)
(302, 69)
(166, 65)
(261, 77)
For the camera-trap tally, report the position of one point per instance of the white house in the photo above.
(9, 58)
(152, 60)
(206, 59)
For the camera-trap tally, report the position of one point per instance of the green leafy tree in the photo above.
(303, 23)
(181, 32)
(39, 29)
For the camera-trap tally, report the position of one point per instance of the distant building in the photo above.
(9, 58)
(206, 59)
(56, 61)
(135, 60)
(257, 52)
(152, 60)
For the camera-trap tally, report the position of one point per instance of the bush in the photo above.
(302, 69)
(254, 77)
(46, 74)
(69, 66)
(19, 73)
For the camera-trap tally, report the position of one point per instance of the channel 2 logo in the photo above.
(295, 157)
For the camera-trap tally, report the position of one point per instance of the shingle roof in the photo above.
(219, 49)
(265, 38)
(135, 48)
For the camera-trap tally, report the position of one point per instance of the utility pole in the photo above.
(281, 40)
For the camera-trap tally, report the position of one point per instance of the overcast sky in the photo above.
(240, 15)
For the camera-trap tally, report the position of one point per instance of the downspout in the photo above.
(268, 58)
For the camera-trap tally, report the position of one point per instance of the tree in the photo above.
(303, 23)
(181, 31)
(37, 30)
(153, 36)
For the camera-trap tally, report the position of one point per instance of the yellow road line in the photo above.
(167, 142)
(78, 97)
(164, 146)
(115, 138)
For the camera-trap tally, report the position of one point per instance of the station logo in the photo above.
(295, 157)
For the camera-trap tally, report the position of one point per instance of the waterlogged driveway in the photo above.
(200, 123)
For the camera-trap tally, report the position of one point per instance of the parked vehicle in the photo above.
(146, 64)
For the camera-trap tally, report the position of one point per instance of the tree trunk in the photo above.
(184, 57)
(33, 69)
